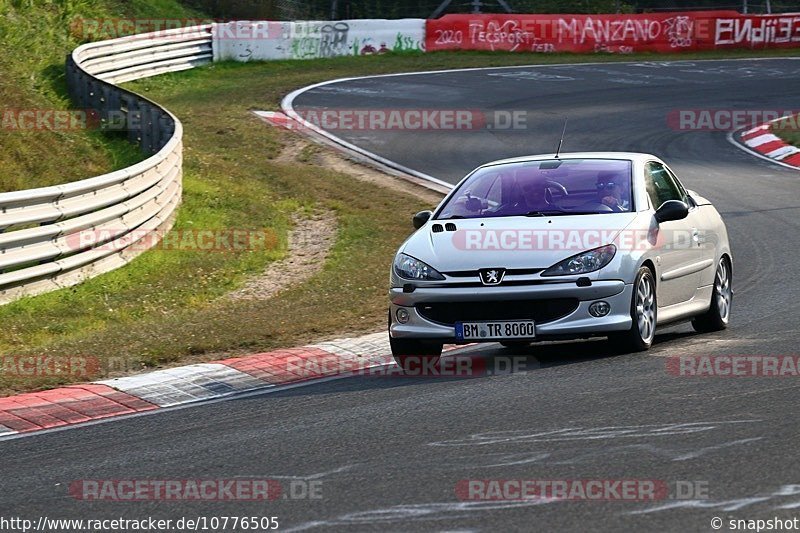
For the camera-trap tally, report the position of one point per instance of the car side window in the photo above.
(681, 188)
(661, 185)
(495, 192)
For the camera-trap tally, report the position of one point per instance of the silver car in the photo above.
(560, 247)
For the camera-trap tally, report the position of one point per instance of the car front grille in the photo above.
(509, 272)
(540, 311)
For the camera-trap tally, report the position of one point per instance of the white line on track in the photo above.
(266, 389)
(234, 395)
(287, 105)
(741, 146)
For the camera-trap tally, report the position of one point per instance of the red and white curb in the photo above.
(763, 142)
(77, 404)
(66, 406)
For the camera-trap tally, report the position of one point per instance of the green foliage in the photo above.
(343, 9)
(35, 37)
(788, 129)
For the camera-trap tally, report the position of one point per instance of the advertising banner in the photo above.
(649, 32)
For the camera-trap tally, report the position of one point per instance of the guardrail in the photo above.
(54, 237)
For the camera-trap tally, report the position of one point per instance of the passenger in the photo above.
(612, 191)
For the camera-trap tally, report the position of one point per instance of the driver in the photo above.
(528, 194)
(612, 191)
(534, 193)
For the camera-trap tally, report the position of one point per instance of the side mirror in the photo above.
(421, 218)
(672, 210)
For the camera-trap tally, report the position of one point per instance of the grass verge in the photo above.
(35, 36)
(788, 129)
(168, 305)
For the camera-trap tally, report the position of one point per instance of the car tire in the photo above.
(644, 312)
(516, 345)
(719, 313)
(413, 354)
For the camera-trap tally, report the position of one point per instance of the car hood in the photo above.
(512, 242)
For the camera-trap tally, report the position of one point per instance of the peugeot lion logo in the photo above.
(492, 276)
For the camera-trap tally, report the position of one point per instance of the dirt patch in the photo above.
(338, 162)
(312, 237)
(310, 243)
(292, 150)
(298, 149)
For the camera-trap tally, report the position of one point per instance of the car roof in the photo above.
(631, 156)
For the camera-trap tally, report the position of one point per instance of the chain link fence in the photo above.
(358, 9)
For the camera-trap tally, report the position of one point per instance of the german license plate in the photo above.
(501, 330)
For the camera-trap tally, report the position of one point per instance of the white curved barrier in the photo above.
(58, 236)
(307, 39)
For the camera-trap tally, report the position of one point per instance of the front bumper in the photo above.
(577, 323)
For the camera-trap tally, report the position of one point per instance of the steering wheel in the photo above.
(552, 184)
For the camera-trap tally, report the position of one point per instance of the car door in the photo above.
(680, 258)
(704, 234)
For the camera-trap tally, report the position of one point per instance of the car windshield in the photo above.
(549, 187)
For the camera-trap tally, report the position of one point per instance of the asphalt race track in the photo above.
(390, 450)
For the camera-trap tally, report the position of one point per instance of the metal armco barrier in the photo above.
(58, 236)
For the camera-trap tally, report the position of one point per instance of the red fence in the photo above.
(658, 32)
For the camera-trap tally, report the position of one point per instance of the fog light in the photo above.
(402, 315)
(599, 309)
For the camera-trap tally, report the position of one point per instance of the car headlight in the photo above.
(409, 268)
(583, 263)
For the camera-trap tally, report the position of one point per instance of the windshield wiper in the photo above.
(452, 217)
(545, 213)
(559, 213)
